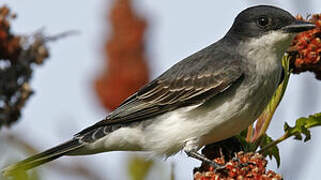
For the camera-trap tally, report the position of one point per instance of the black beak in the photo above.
(298, 26)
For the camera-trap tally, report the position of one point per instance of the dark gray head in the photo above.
(259, 20)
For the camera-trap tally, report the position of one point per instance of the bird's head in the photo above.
(267, 25)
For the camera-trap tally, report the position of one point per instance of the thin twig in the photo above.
(62, 35)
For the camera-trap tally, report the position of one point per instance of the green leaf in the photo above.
(300, 129)
(248, 146)
(271, 152)
(22, 175)
(139, 167)
(264, 140)
(302, 126)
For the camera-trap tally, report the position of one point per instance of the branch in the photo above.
(302, 127)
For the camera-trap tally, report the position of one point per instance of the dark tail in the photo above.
(41, 158)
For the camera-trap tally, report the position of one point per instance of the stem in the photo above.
(250, 132)
(280, 139)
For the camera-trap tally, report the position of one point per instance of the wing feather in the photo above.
(191, 81)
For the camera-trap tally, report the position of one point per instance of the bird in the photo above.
(207, 97)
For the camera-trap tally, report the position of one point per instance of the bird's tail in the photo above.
(41, 158)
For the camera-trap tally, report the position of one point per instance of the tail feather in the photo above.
(41, 158)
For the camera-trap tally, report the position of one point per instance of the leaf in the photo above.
(248, 146)
(271, 152)
(139, 167)
(302, 126)
(264, 140)
(23, 175)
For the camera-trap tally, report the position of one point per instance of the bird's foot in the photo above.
(196, 155)
(216, 166)
(240, 164)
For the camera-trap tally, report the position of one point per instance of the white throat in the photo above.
(266, 52)
(273, 43)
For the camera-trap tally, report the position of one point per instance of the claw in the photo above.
(236, 159)
(217, 166)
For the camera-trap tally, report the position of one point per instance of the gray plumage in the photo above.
(209, 96)
(178, 87)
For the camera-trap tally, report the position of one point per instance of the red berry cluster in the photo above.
(305, 50)
(18, 54)
(9, 44)
(126, 69)
(249, 166)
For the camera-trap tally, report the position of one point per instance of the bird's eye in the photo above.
(263, 21)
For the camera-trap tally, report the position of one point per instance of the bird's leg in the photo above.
(191, 147)
(196, 155)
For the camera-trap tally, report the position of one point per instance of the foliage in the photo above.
(272, 152)
(302, 127)
(139, 167)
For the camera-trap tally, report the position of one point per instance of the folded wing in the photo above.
(191, 81)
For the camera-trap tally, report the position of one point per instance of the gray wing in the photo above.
(192, 81)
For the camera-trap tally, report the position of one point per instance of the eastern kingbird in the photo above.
(207, 97)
